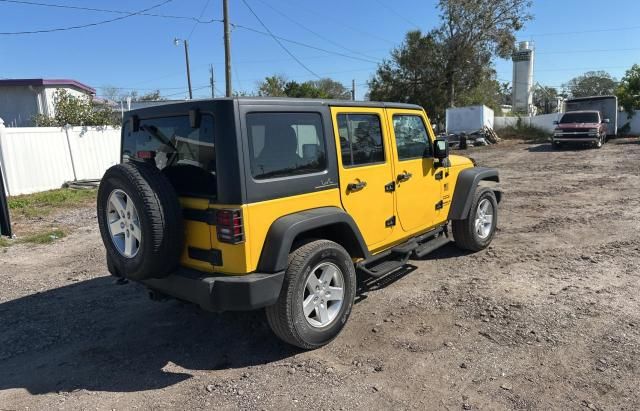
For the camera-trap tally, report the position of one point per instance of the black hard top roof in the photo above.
(302, 102)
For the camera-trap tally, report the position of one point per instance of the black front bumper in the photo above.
(219, 292)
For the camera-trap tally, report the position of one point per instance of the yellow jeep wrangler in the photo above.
(245, 203)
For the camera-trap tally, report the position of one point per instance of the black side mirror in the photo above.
(556, 122)
(606, 120)
(441, 148)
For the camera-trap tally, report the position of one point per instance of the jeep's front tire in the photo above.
(316, 297)
(477, 230)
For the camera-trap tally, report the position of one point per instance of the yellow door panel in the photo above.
(364, 161)
(417, 191)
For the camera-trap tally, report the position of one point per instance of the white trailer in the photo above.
(606, 105)
(468, 119)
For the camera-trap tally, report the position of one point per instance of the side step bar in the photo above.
(395, 258)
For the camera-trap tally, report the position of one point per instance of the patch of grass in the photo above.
(43, 203)
(5, 242)
(45, 237)
(528, 133)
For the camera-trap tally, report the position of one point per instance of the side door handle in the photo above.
(438, 175)
(356, 186)
(404, 176)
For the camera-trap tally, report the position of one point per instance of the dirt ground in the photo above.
(547, 318)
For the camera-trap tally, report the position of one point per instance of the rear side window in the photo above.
(360, 139)
(285, 144)
(412, 140)
(185, 155)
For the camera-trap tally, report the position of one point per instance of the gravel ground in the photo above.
(547, 318)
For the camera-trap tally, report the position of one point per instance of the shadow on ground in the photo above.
(98, 336)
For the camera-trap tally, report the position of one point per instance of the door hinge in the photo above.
(439, 205)
(438, 175)
(391, 187)
(390, 222)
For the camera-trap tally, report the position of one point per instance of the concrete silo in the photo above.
(522, 87)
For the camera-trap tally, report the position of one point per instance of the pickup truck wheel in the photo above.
(600, 142)
(317, 295)
(477, 230)
(140, 221)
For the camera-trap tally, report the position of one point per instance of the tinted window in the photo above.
(580, 118)
(285, 144)
(412, 139)
(360, 139)
(186, 155)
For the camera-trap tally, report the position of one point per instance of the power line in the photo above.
(112, 11)
(304, 44)
(198, 20)
(302, 26)
(383, 4)
(83, 25)
(278, 41)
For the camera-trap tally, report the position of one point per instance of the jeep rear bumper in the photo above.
(219, 292)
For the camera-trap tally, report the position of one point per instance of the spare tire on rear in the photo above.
(140, 221)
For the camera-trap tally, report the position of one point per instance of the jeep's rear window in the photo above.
(285, 144)
(185, 154)
(569, 118)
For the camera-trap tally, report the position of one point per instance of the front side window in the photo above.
(360, 139)
(185, 154)
(412, 140)
(285, 144)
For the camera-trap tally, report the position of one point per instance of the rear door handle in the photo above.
(404, 176)
(356, 186)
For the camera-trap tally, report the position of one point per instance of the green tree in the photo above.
(628, 91)
(545, 99)
(278, 86)
(591, 83)
(413, 74)
(78, 111)
(150, 96)
(272, 86)
(472, 32)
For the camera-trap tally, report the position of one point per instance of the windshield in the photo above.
(580, 118)
(185, 155)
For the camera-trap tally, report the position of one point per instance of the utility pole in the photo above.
(353, 90)
(227, 47)
(177, 41)
(212, 80)
(186, 56)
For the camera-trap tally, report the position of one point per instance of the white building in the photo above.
(22, 99)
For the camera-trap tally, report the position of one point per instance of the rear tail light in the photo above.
(229, 226)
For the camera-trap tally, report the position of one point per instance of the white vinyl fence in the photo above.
(37, 159)
(545, 121)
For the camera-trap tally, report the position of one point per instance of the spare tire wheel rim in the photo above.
(323, 294)
(124, 224)
(484, 219)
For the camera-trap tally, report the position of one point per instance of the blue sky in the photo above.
(571, 37)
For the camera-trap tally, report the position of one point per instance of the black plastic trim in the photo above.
(337, 225)
(204, 216)
(468, 180)
(220, 292)
(212, 256)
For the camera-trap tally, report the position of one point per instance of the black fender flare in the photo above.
(331, 223)
(468, 181)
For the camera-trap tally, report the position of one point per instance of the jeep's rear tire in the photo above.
(140, 221)
(477, 230)
(316, 297)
